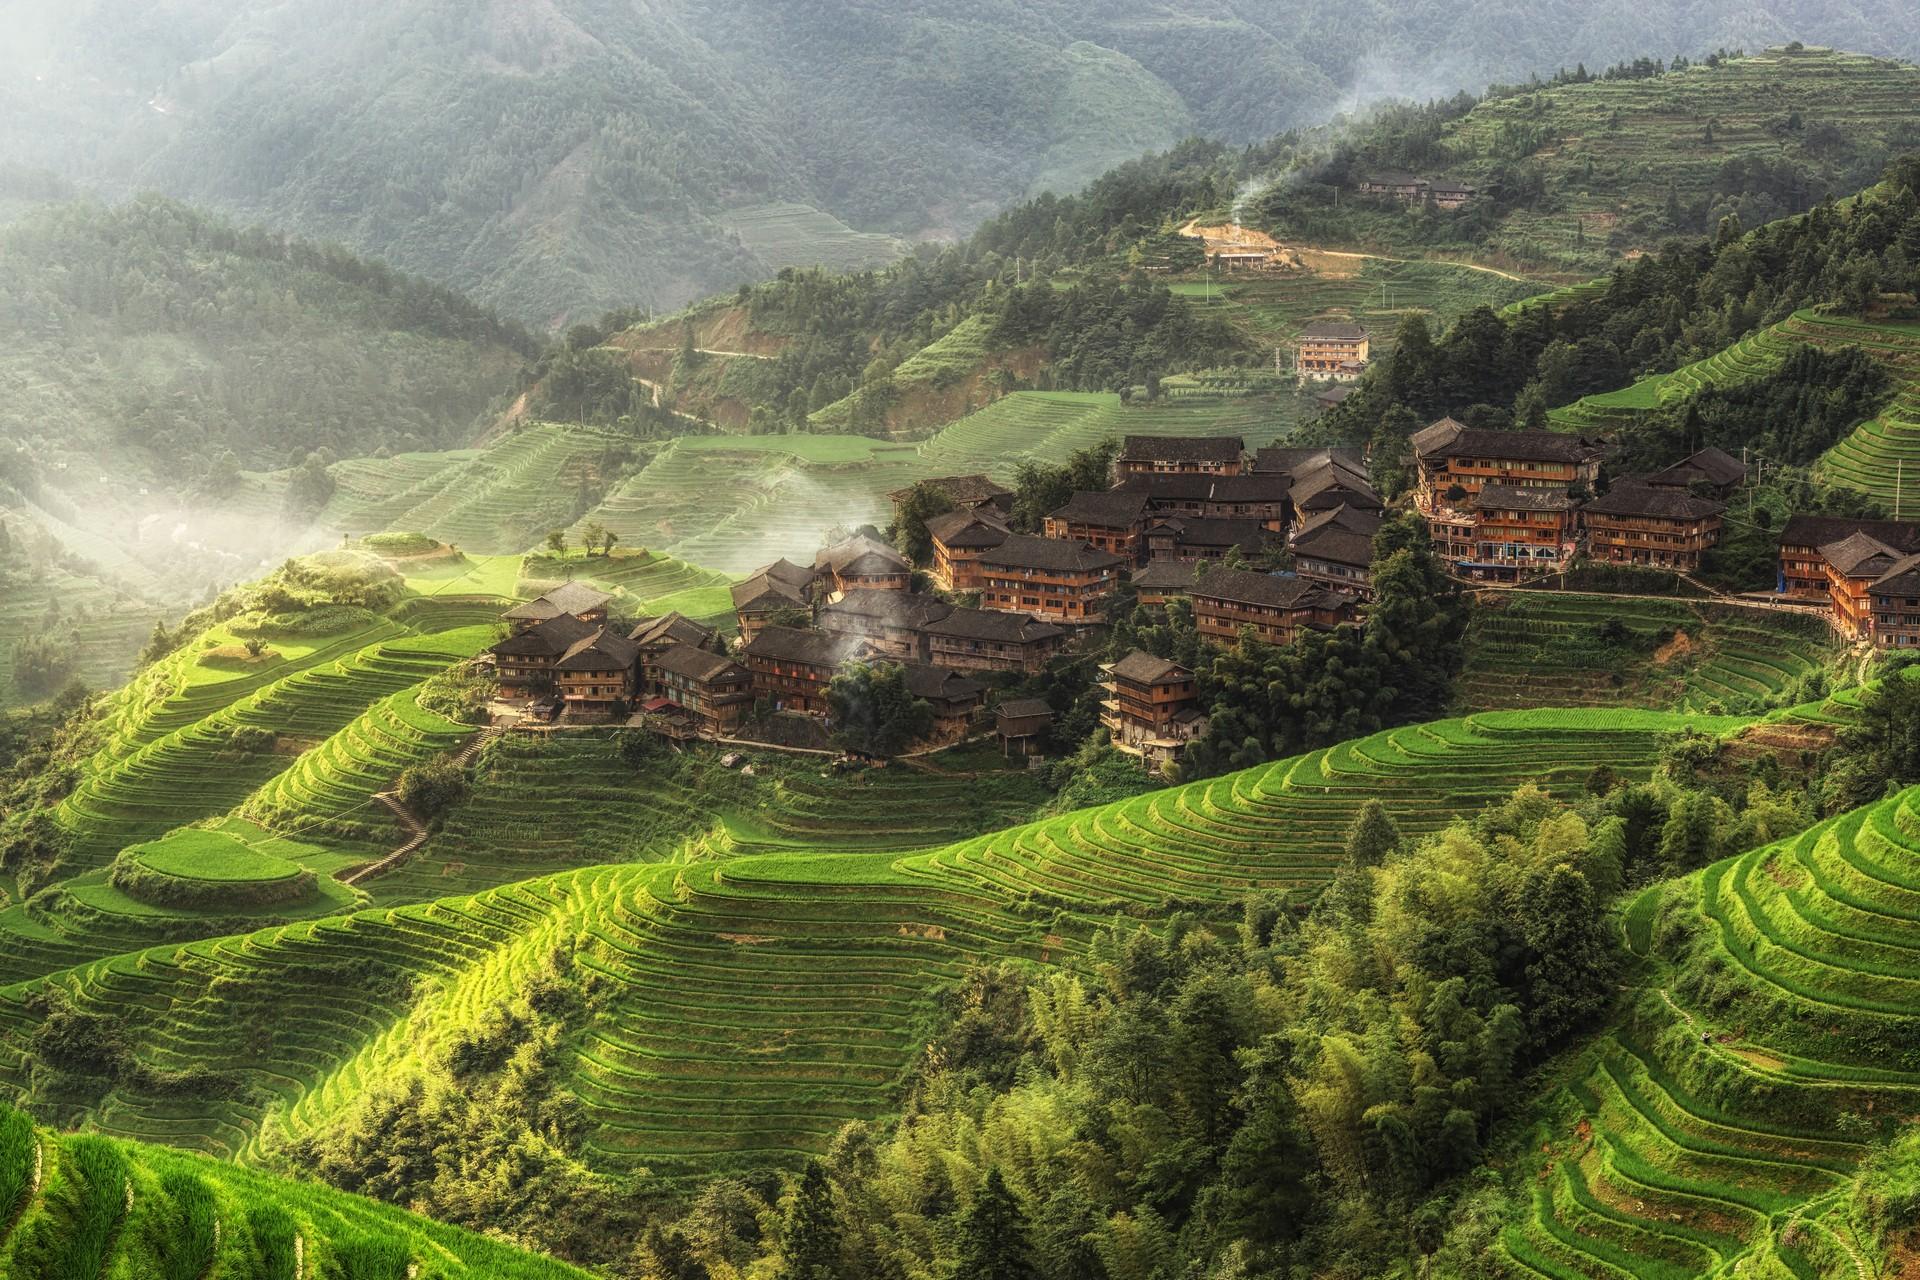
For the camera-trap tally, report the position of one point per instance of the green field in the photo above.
(758, 998)
(73, 1206)
(1771, 1037)
(195, 854)
(798, 235)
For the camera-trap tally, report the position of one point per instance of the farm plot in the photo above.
(1555, 649)
(799, 235)
(758, 1002)
(1737, 1095)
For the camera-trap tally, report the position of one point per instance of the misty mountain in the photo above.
(558, 157)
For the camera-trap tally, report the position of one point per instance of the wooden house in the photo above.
(1151, 708)
(966, 493)
(792, 668)
(712, 690)
(1021, 723)
(1803, 567)
(1263, 498)
(569, 600)
(1854, 564)
(1457, 461)
(654, 636)
(779, 589)
(1895, 598)
(525, 659)
(1172, 455)
(1713, 472)
(893, 623)
(1048, 578)
(861, 563)
(1192, 538)
(958, 701)
(1452, 195)
(1333, 351)
(1665, 528)
(598, 675)
(1336, 548)
(1109, 519)
(1276, 608)
(958, 539)
(989, 640)
(1163, 581)
(1513, 529)
(1405, 187)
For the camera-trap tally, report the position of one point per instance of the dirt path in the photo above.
(1381, 257)
(1732, 601)
(409, 821)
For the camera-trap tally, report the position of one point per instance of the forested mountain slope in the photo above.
(559, 159)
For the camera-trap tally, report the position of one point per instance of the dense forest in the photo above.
(561, 159)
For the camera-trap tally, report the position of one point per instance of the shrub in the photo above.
(429, 790)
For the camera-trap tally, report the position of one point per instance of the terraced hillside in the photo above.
(89, 1206)
(1713, 1130)
(798, 235)
(753, 1003)
(1556, 649)
(94, 627)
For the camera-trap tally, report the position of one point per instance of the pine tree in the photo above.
(1372, 836)
(993, 1238)
(812, 1236)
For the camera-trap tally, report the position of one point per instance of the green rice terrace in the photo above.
(1552, 649)
(758, 986)
(89, 1206)
(1715, 1129)
(799, 235)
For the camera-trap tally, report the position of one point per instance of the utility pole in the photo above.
(1899, 474)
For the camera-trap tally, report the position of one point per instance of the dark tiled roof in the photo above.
(1447, 438)
(1108, 508)
(1022, 551)
(784, 570)
(672, 628)
(1902, 579)
(1658, 501)
(1142, 667)
(1171, 486)
(873, 564)
(604, 650)
(1335, 394)
(1286, 460)
(901, 608)
(1524, 497)
(1359, 520)
(1817, 531)
(1239, 586)
(1164, 576)
(1021, 708)
(548, 639)
(1250, 488)
(995, 625)
(1715, 466)
(696, 663)
(937, 684)
(1332, 483)
(570, 597)
(764, 593)
(979, 528)
(1333, 331)
(843, 556)
(1860, 555)
(1211, 531)
(964, 490)
(791, 644)
(1182, 449)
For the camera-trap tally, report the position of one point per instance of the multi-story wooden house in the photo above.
(1452, 195)
(958, 701)
(966, 493)
(860, 563)
(1853, 565)
(1512, 529)
(1336, 548)
(1896, 605)
(1151, 708)
(779, 590)
(1803, 567)
(1175, 455)
(1333, 350)
(710, 689)
(958, 538)
(1262, 498)
(1277, 608)
(1322, 486)
(1644, 524)
(1457, 461)
(893, 623)
(1020, 723)
(569, 600)
(1164, 581)
(792, 668)
(1191, 538)
(1048, 578)
(598, 675)
(1714, 472)
(1109, 519)
(524, 660)
(654, 636)
(989, 640)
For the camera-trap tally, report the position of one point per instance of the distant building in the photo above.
(1262, 498)
(967, 493)
(1410, 189)
(526, 658)
(1109, 520)
(860, 563)
(1510, 529)
(894, 623)
(1171, 455)
(1665, 528)
(1715, 470)
(1151, 708)
(958, 539)
(1803, 566)
(957, 700)
(779, 588)
(1452, 195)
(1333, 350)
(597, 675)
(1456, 461)
(654, 636)
(1336, 548)
(1048, 578)
(1020, 722)
(711, 689)
(792, 668)
(1194, 538)
(1276, 607)
(989, 640)
(571, 600)
(1164, 581)
(1896, 605)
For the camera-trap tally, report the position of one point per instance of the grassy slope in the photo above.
(759, 1000)
(88, 1206)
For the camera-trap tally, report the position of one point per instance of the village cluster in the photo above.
(1501, 506)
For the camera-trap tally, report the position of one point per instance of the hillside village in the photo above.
(1260, 544)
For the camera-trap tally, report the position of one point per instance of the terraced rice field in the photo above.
(101, 626)
(756, 1003)
(73, 1205)
(1543, 649)
(1720, 1122)
(799, 235)
(643, 583)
